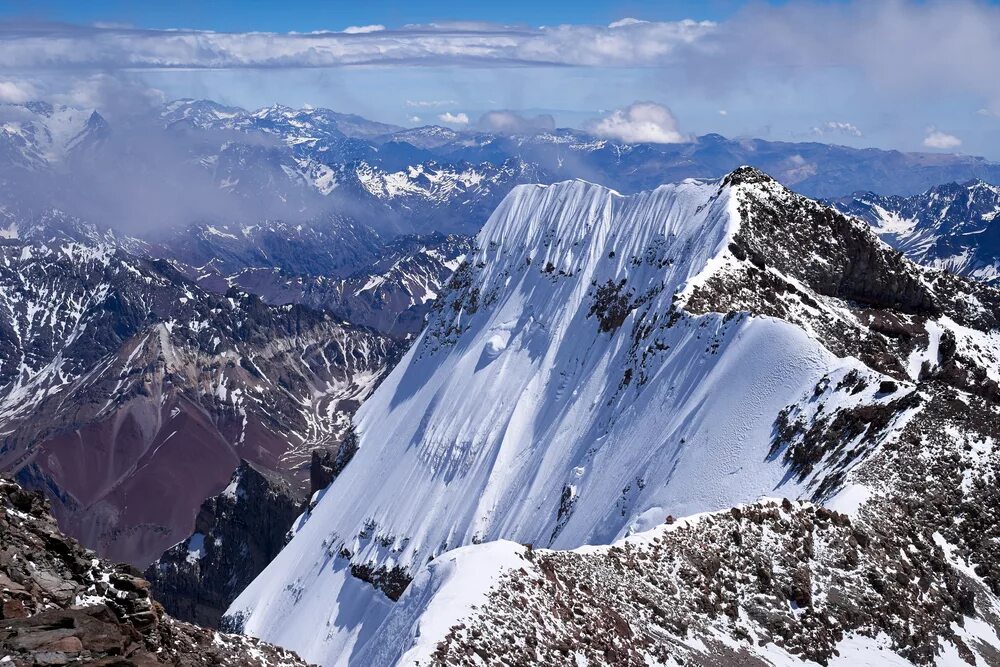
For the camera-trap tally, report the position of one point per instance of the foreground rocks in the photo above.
(61, 605)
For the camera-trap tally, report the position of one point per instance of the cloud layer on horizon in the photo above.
(762, 66)
(630, 44)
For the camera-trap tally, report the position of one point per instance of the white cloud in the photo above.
(941, 140)
(454, 118)
(414, 119)
(514, 123)
(642, 122)
(363, 29)
(625, 22)
(17, 92)
(723, 112)
(54, 46)
(424, 104)
(837, 127)
(989, 113)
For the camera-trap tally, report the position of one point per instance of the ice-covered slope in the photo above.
(557, 397)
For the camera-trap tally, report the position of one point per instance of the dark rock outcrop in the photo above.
(60, 604)
(237, 533)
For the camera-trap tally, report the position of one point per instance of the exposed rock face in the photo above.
(237, 533)
(60, 604)
(955, 226)
(122, 384)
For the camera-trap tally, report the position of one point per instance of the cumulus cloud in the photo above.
(941, 140)
(17, 92)
(642, 122)
(509, 122)
(837, 127)
(414, 119)
(459, 118)
(363, 29)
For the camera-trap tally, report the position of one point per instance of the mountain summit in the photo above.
(604, 363)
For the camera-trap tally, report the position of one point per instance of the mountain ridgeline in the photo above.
(605, 364)
(197, 160)
(387, 395)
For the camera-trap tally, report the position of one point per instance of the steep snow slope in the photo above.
(557, 397)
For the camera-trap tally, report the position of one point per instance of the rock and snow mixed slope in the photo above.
(603, 362)
(131, 394)
(62, 605)
(954, 226)
(236, 534)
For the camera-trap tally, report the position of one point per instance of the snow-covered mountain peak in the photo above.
(602, 363)
(576, 229)
(559, 397)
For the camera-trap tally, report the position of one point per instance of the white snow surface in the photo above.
(476, 438)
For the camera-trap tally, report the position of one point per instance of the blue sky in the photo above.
(905, 74)
(235, 16)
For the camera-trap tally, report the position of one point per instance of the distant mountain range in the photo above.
(953, 226)
(296, 164)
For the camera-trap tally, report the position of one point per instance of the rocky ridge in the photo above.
(62, 605)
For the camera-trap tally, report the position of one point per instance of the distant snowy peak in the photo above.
(36, 134)
(430, 182)
(293, 125)
(428, 136)
(954, 226)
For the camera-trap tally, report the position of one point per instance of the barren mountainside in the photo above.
(130, 394)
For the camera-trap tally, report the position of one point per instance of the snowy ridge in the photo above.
(556, 398)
